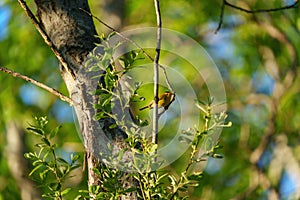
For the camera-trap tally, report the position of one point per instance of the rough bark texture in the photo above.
(72, 31)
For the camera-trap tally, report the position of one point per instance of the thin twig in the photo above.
(119, 34)
(156, 71)
(226, 3)
(221, 17)
(46, 38)
(166, 78)
(135, 44)
(41, 85)
(294, 5)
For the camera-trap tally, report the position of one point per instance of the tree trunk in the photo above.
(73, 33)
(17, 163)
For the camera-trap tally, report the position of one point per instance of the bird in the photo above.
(164, 100)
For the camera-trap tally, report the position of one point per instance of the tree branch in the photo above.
(156, 71)
(294, 5)
(41, 85)
(226, 3)
(221, 17)
(46, 38)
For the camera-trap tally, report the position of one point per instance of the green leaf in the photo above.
(132, 189)
(193, 183)
(45, 155)
(36, 130)
(35, 169)
(172, 180)
(111, 35)
(74, 158)
(96, 171)
(30, 156)
(55, 186)
(65, 191)
(217, 156)
(121, 153)
(62, 161)
(42, 121)
(99, 115)
(113, 126)
(108, 52)
(37, 162)
(54, 132)
(153, 148)
(94, 189)
(49, 195)
(196, 176)
(44, 173)
(162, 176)
(46, 141)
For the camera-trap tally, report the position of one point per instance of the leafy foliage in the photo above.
(144, 161)
(264, 43)
(50, 169)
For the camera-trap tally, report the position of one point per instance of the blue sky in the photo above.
(5, 14)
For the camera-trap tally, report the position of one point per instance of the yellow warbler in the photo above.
(164, 100)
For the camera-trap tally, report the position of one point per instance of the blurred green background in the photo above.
(256, 54)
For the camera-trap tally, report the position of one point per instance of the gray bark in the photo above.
(73, 33)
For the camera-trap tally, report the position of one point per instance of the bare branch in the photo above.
(46, 38)
(221, 17)
(226, 3)
(156, 71)
(294, 5)
(41, 85)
